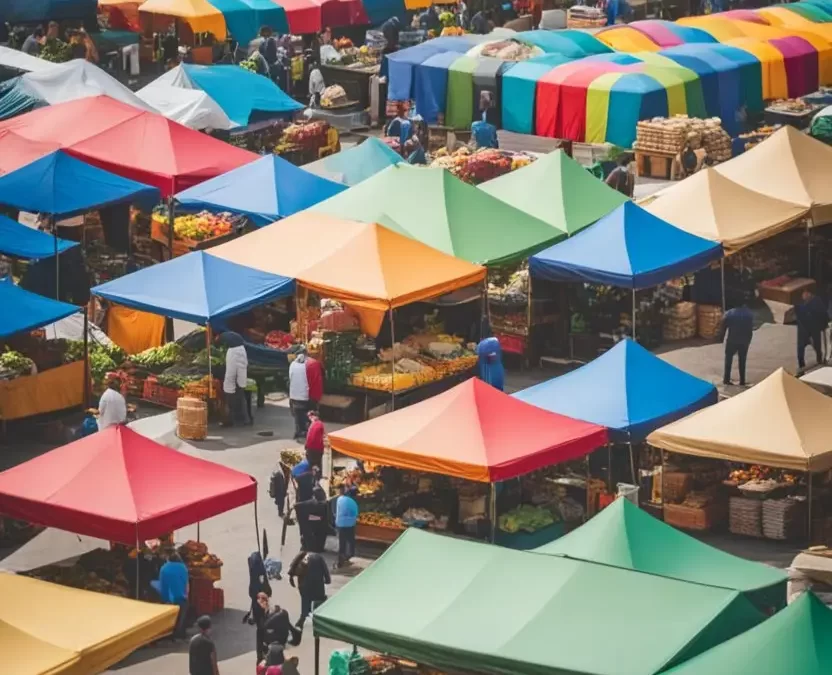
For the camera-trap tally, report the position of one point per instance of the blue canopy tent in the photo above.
(266, 190)
(570, 43)
(351, 167)
(20, 241)
(243, 18)
(37, 11)
(207, 288)
(519, 90)
(378, 11)
(628, 248)
(431, 85)
(25, 311)
(628, 389)
(400, 66)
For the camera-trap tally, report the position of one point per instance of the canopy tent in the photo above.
(366, 264)
(624, 536)
(200, 15)
(557, 190)
(626, 39)
(243, 18)
(14, 63)
(449, 215)
(519, 91)
(25, 311)
(356, 164)
(472, 431)
(120, 486)
(304, 16)
(629, 248)
(64, 82)
(573, 44)
(49, 628)
(378, 11)
(449, 585)
(795, 640)
(19, 241)
(243, 96)
(780, 422)
(189, 107)
(63, 186)
(266, 190)
(627, 389)
(130, 142)
(16, 151)
(789, 166)
(215, 288)
(39, 11)
(431, 85)
(711, 206)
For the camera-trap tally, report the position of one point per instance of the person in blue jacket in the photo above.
(346, 515)
(491, 363)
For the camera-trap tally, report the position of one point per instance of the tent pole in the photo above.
(809, 246)
(492, 513)
(171, 219)
(484, 306)
(632, 463)
(208, 341)
(86, 361)
(257, 526)
(317, 655)
(809, 524)
(392, 347)
(197, 532)
(138, 554)
(609, 465)
(662, 480)
(634, 313)
(57, 263)
(722, 280)
(586, 514)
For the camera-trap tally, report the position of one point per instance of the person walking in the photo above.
(299, 394)
(172, 587)
(202, 654)
(812, 320)
(313, 577)
(346, 515)
(312, 521)
(315, 441)
(738, 325)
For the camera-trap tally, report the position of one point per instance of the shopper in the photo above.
(172, 587)
(315, 441)
(272, 662)
(112, 408)
(346, 515)
(315, 381)
(313, 576)
(277, 489)
(299, 394)
(259, 613)
(312, 521)
(621, 178)
(279, 629)
(34, 43)
(812, 320)
(738, 325)
(202, 654)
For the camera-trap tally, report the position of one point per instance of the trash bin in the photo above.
(628, 492)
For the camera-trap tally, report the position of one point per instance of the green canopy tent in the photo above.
(795, 640)
(623, 535)
(438, 209)
(558, 190)
(471, 607)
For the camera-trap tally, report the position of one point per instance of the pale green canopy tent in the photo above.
(356, 164)
(438, 209)
(794, 641)
(472, 607)
(623, 535)
(558, 190)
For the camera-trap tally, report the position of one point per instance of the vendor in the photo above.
(429, 20)
(236, 377)
(621, 178)
(400, 126)
(172, 587)
(483, 132)
(316, 85)
(112, 408)
(390, 29)
(491, 362)
(417, 154)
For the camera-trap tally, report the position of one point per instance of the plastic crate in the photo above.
(218, 600)
(202, 596)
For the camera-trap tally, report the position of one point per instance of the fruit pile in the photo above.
(198, 227)
(195, 555)
(379, 519)
(14, 364)
(481, 165)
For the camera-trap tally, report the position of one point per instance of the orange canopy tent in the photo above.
(472, 431)
(372, 268)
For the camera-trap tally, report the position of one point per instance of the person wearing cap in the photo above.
(202, 654)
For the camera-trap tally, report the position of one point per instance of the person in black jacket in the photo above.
(313, 577)
(279, 629)
(812, 320)
(738, 324)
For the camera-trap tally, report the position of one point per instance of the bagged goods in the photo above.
(668, 136)
(333, 96)
(783, 518)
(745, 516)
(679, 321)
(709, 318)
(581, 16)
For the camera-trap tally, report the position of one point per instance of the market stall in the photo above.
(358, 163)
(472, 451)
(626, 537)
(107, 486)
(750, 462)
(447, 586)
(37, 375)
(91, 633)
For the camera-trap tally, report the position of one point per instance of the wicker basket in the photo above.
(709, 318)
(676, 487)
(191, 419)
(688, 518)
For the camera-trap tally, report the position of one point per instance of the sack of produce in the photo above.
(709, 318)
(745, 516)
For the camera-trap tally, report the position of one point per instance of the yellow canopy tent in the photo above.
(715, 25)
(710, 205)
(780, 422)
(200, 15)
(790, 166)
(627, 39)
(775, 82)
(372, 268)
(47, 629)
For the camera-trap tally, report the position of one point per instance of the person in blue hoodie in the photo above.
(491, 363)
(346, 515)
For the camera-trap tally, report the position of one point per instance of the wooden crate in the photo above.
(376, 534)
(687, 518)
(654, 165)
(675, 486)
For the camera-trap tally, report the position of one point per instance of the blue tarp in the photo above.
(241, 93)
(628, 390)
(630, 248)
(38, 11)
(520, 88)
(16, 100)
(565, 43)
(400, 66)
(24, 311)
(378, 11)
(351, 167)
(196, 287)
(431, 85)
(63, 186)
(20, 241)
(266, 190)
(243, 18)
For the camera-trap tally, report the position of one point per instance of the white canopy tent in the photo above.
(177, 98)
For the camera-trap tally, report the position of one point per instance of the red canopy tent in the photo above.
(472, 431)
(132, 143)
(16, 151)
(121, 486)
(304, 16)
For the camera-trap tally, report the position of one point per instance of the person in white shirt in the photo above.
(112, 408)
(236, 377)
(299, 395)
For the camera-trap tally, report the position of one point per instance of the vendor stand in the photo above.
(422, 469)
(757, 463)
(106, 486)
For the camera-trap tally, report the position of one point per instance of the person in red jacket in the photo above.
(315, 378)
(315, 440)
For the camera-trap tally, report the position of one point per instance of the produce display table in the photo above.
(52, 390)
(355, 81)
(525, 541)
(799, 120)
(376, 534)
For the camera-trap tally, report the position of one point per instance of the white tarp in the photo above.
(72, 328)
(175, 96)
(78, 79)
(12, 58)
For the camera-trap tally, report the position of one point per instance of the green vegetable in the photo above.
(217, 356)
(100, 365)
(16, 362)
(56, 51)
(526, 518)
(158, 357)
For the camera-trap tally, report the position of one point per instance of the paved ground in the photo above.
(232, 535)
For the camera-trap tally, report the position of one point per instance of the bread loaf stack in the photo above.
(709, 318)
(679, 321)
(745, 516)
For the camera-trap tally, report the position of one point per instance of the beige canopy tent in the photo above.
(780, 422)
(712, 206)
(789, 166)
